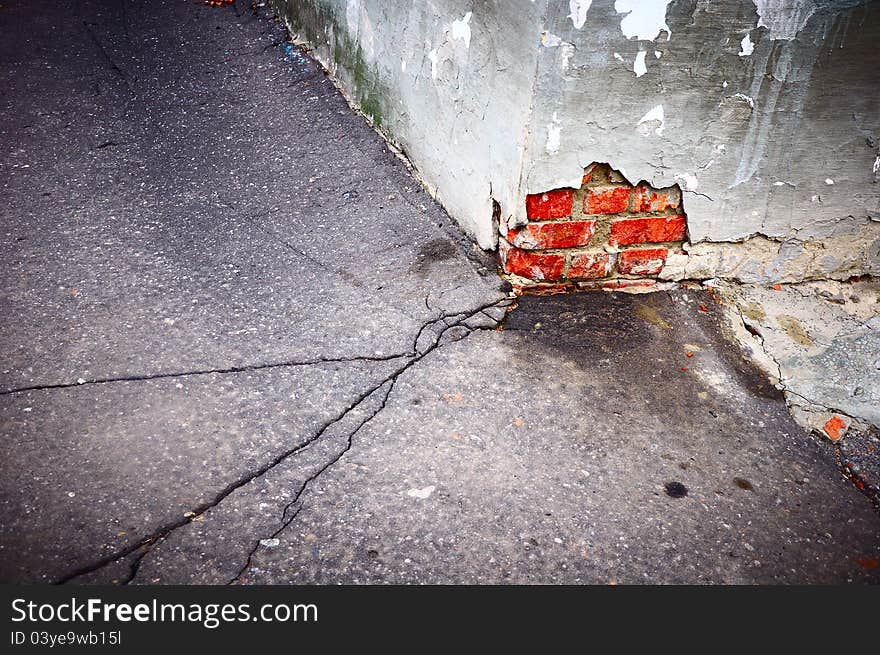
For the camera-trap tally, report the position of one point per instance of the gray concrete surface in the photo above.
(241, 345)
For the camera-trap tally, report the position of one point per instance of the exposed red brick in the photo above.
(620, 283)
(550, 204)
(593, 171)
(648, 230)
(606, 200)
(646, 198)
(531, 265)
(589, 265)
(540, 289)
(641, 261)
(556, 234)
(833, 428)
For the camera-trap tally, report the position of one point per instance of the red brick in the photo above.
(531, 265)
(541, 289)
(833, 428)
(606, 200)
(597, 173)
(566, 234)
(589, 265)
(551, 204)
(641, 261)
(619, 283)
(648, 230)
(646, 198)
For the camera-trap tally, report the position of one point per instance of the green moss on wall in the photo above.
(315, 23)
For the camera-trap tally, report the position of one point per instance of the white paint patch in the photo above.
(876, 166)
(658, 54)
(432, 55)
(656, 114)
(566, 52)
(688, 181)
(746, 46)
(403, 65)
(549, 40)
(724, 84)
(644, 19)
(554, 134)
(639, 67)
(618, 57)
(784, 18)
(421, 494)
(352, 14)
(578, 12)
(461, 30)
(748, 99)
(829, 181)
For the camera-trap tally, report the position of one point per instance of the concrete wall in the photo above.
(765, 112)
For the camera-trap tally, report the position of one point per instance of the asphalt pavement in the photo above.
(242, 345)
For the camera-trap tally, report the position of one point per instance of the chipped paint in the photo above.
(784, 19)
(654, 117)
(566, 52)
(644, 19)
(432, 56)
(461, 30)
(747, 99)
(639, 67)
(547, 94)
(688, 181)
(578, 12)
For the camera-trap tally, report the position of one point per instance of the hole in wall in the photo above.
(606, 234)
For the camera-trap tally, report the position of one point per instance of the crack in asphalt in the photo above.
(391, 380)
(245, 368)
(285, 522)
(145, 545)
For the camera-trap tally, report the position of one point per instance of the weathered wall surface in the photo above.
(765, 112)
(448, 82)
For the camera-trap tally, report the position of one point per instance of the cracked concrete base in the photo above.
(820, 343)
(246, 347)
(823, 339)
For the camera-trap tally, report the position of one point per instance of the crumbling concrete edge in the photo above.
(827, 424)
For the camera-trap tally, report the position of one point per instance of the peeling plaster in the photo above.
(644, 19)
(578, 13)
(527, 114)
(784, 18)
(461, 30)
(689, 181)
(639, 67)
(654, 119)
(432, 56)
